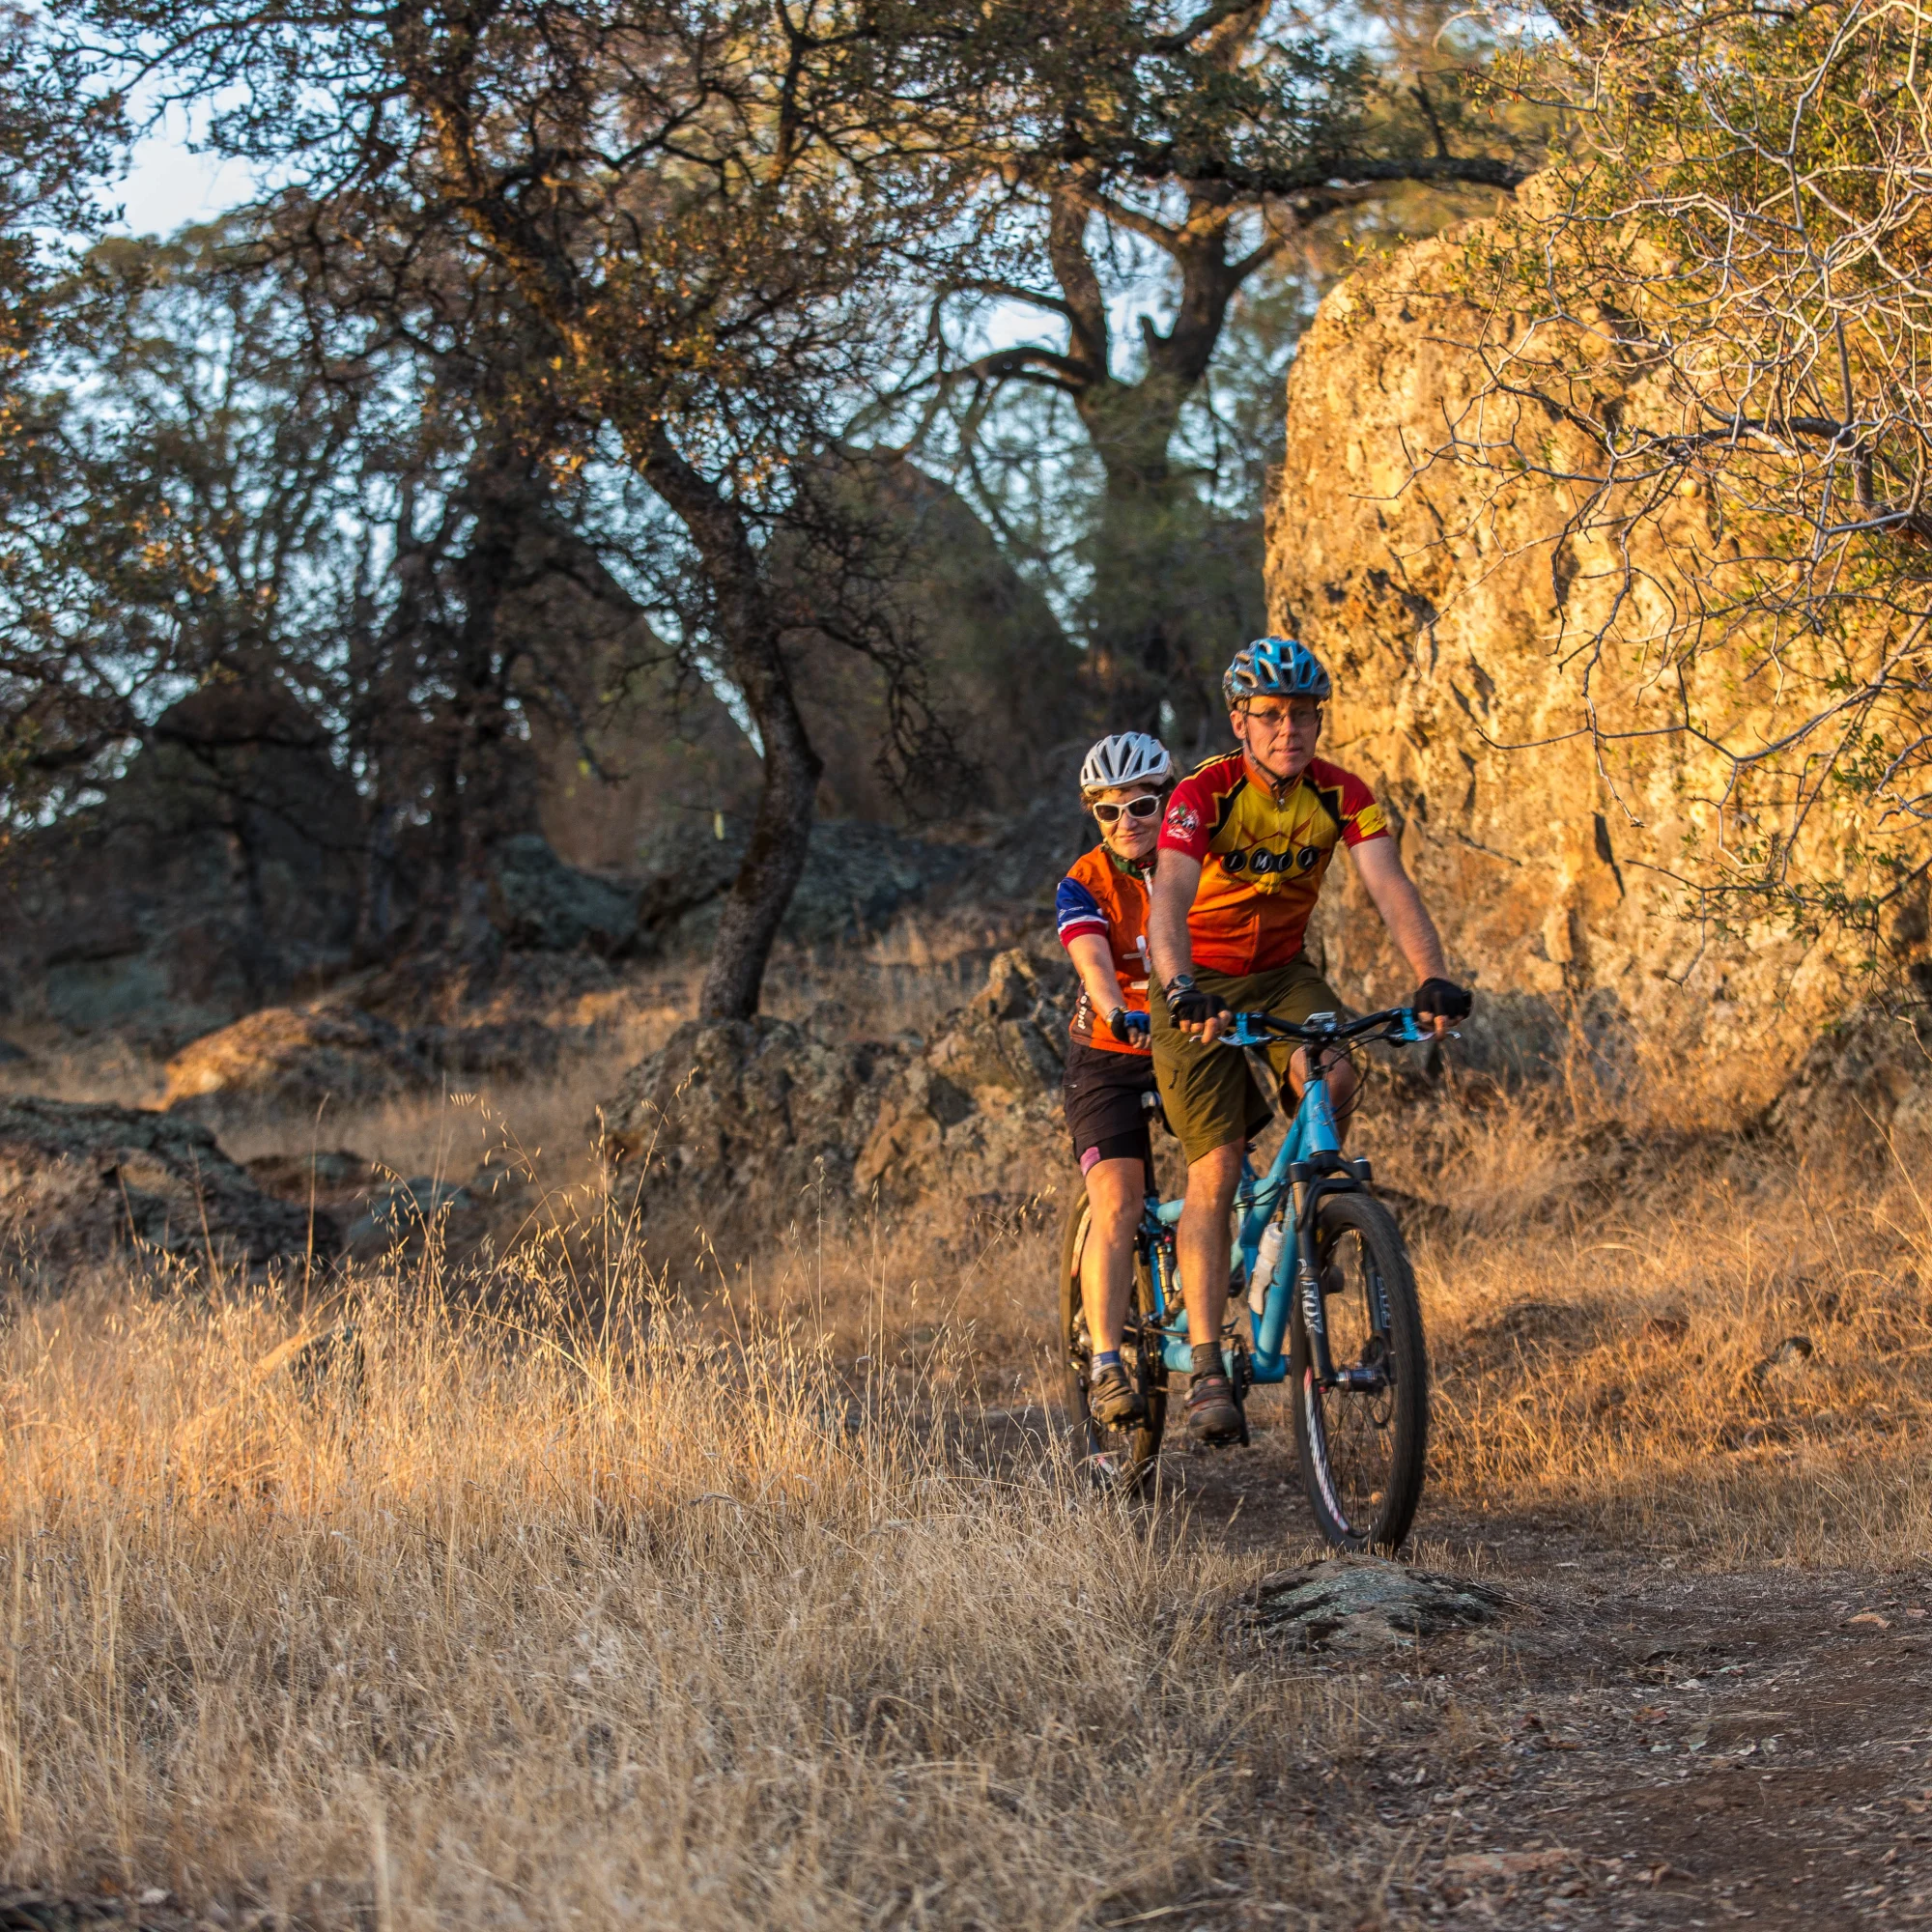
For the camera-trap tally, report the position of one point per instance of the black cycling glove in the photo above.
(1189, 1004)
(1442, 999)
(1130, 1029)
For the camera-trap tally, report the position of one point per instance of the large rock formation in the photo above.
(1458, 625)
(1000, 676)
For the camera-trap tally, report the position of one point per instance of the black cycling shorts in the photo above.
(1106, 1111)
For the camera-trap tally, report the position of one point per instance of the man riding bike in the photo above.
(1102, 911)
(1245, 845)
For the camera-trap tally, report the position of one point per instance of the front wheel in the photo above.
(1114, 1457)
(1362, 1442)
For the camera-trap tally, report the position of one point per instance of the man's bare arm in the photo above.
(1401, 906)
(1175, 882)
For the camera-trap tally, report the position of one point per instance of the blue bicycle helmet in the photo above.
(1275, 667)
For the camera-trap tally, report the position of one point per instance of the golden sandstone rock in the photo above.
(1457, 622)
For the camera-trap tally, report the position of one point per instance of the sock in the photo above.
(1107, 1358)
(1207, 1359)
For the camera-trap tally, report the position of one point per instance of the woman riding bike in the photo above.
(1102, 910)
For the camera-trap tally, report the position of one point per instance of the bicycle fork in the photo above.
(1357, 1377)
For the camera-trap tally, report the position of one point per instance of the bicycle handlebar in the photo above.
(1395, 1023)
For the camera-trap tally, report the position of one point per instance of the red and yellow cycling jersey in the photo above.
(1262, 862)
(1101, 896)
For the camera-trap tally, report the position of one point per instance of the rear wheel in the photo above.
(1114, 1457)
(1363, 1446)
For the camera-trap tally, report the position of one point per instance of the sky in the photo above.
(169, 184)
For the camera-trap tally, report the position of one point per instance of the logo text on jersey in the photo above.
(1263, 862)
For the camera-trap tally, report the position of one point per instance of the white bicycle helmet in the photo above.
(1132, 757)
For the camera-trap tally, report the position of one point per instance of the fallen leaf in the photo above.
(1507, 1864)
(1870, 1617)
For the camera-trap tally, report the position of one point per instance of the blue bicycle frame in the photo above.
(1309, 1164)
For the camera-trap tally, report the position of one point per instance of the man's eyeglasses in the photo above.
(1303, 718)
(1135, 808)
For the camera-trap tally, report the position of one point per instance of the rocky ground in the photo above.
(1571, 1733)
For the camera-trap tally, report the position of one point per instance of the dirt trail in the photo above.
(1644, 1746)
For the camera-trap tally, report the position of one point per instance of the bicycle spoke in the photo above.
(1358, 1423)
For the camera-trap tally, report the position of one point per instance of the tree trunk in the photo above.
(1176, 589)
(774, 864)
(749, 630)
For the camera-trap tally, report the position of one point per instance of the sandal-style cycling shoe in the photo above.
(1113, 1399)
(1211, 1413)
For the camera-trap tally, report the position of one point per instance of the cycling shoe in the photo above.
(1113, 1399)
(1213, 1415)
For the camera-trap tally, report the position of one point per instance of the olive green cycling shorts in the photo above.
(1208, 1092)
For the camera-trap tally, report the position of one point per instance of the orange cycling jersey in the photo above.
(1262, 862)
(1103, 897)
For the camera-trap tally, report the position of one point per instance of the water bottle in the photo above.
(1268, 1259)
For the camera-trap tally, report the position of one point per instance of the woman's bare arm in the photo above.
(1093, 960)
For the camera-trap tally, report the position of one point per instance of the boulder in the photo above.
(669, 766)
(287, 1060)
(222, 872)
(1365, 1605)
(753, 1110)
(1458, 621)
(79, 1181)
(538, 903)
(1001, 679)
(858, 878)
(1862, 1092)
(759, 1114)
(979, 1110)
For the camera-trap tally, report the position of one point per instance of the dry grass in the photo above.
(488, 1622)
(757, 1604)
(1702, 1342)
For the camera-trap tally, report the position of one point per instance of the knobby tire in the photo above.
(1363, 1454)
